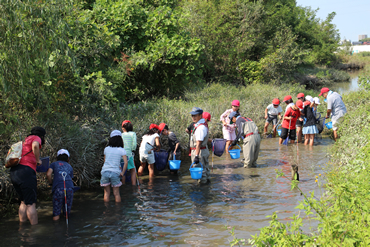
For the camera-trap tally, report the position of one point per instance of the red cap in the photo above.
(235, 102)
(154, 126)
(207, 115)
(307, 102)
(324, 90)
(299, 104)
(161, 126)
(126, 121)
(288, 97)
(300, 95)
(276, 101)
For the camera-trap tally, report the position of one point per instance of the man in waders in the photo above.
(198, 143)
(247, 130)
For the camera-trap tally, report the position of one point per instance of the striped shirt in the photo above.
(129, 142)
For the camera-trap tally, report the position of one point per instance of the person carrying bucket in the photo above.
(147, 149)
(228, 129)
(198, 144)
(272, 113)
(336, 108)
(173, 143)
(248, 131)
(58, 168)
(129, 144)
(289, 122)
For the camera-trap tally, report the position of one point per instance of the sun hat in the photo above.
(196, 111)
(300, 95)
(115, 133)
(233, 114)
(288, 97)
(324, 90)
(235, 102)
(63, 151)
(207, 115)
(153, 126)
(126, 121)
(276, 101)
(299, 104)
(316, 100)
(309, 98)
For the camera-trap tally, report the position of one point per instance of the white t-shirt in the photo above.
(147, 138)
(201, 131)
(272, 110)
(113, 159)
(287, 107)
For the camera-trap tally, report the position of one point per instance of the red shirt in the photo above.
(29, 159)
(291, 113)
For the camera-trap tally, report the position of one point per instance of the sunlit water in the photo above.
(175, 210)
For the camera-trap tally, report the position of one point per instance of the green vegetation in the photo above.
(343, 211)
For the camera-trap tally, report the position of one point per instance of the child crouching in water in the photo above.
(112, 172)
(61, 169)
(129, 144)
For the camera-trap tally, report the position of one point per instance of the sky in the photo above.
(352, 16)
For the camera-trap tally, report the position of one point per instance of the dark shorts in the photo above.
(299, 123)
(272, 118)
(25, 183)
(59, 201)
(284, 134)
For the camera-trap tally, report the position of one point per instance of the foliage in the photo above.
(343, 211)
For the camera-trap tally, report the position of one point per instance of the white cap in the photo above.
(63, 151)
(309, 98)
(115, 133)
(316, 100)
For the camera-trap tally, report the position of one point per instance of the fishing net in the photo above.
(320, 124)
(219, 147)
(161, 158)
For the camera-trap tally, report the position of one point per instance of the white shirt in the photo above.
(287, 107)
(272, 110)
(113, 159)
(201, 130)
(150, 139)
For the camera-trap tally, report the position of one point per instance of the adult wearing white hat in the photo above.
(198, 143)
(336, 108)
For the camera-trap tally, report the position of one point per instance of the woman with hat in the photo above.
(272, 113)
(228, 128)
(147, 149)
(23, 176)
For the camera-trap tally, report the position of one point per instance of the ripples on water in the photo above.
(175, 210)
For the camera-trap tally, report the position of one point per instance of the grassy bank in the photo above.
(85, 136)
(343, 211)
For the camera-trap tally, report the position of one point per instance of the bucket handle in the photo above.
(174, 156)
(194, 163)
(235, 145)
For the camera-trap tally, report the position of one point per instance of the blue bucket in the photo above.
(196, 172)
(278, 129)
(329, 125)
(174, 164)
(235, 153)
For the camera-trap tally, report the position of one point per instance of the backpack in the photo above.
(14, 155)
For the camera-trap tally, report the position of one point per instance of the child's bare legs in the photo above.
(265, 128)
(133, 176)
(228, 143)
(311, 138)
(306, 139)
(107, 193)
(151, 170)
(142, 166)
(274, 134)
(299, 134)
(117, 195)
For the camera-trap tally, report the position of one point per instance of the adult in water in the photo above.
(247, 130)
(23, 176)
(198, 143)
(336, 108)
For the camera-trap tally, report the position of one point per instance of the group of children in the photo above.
(299, 117)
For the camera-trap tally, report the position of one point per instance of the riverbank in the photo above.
(343, 210)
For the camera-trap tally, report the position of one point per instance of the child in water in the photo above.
(112, 171)
(146, 150)
(309, 127)
(129, 144)
(272, 113)
(61, 168)
(173, 143)
(289, 122)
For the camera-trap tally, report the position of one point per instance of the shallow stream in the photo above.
(175, 210)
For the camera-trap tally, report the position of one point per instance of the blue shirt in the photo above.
(58, 167)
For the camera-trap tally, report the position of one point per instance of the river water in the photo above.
(175, 210)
